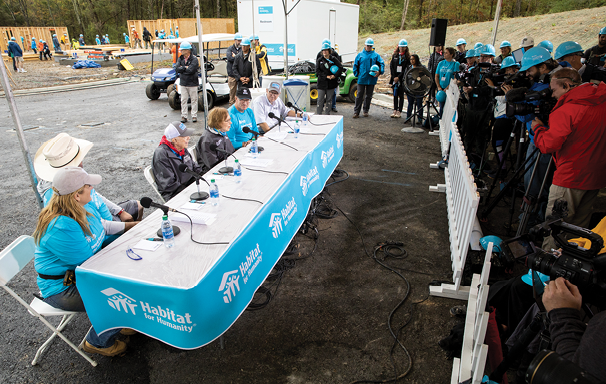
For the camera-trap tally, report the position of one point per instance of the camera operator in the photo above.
(476, 127)
(571, 52)
(596, 55)
(538, 64)
(583, 344)
(577, 138)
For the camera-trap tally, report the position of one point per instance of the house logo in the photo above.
(119, 301)
(339, 140)
(230, 285)
(327, 156)
(275, 223)
(308, 180)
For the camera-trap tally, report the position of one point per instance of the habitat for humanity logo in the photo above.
(284, 216)
(165, 316)
(327, 156)
(309, 179)
(229, 285)
(339, 139)
(275, 223)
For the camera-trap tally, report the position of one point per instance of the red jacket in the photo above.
(577, 138)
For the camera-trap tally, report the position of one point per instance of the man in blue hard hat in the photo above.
(461, 51)
(570, 52)
(81, 40)
(56, 44)
(231, 53)
(596, 55)
(367, 79)
(505, 48)
(17, 54)
(242, 69)
(187, 67)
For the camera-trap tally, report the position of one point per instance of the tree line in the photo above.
(91, 17)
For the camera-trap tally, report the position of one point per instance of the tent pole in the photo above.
(197, 6)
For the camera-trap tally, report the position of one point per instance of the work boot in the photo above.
(365, 114)
(356, 115)
(118, 348)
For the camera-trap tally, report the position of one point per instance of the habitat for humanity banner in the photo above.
(191, 318)
(266, 18)
(278, 49)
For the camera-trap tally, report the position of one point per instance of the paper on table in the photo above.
(192, 206)
(274, 134)
(259, 163)
(196, 217)
(147, 245)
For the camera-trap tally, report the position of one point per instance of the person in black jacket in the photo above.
(242, 69)
(146, 38)
(400, 61)
(219, 123)
(232, 52)
(328, 70)
(334, 53)
(187, 67)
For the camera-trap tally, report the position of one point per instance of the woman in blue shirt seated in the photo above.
(66, 236)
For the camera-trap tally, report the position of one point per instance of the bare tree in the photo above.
(8, 5)
(23, 6)
(404, 13)
(516, 12)
(218, 9)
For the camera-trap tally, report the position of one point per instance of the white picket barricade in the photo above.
(474, 352)
(462, 197)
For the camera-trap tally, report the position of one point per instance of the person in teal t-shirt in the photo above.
(445, 71)
(241, 116)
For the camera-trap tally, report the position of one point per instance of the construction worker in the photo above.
(177, 31)
(34, 47)
(56, 43)
(106, 38)
(97, 40)
(75, 44)
(65, 42)
(596, 55)
(261, 52)
(126, 39)
(81, 40)
(137, 40)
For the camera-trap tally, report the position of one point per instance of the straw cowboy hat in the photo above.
(60, 151)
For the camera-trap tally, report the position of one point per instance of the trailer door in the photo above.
(332, 26)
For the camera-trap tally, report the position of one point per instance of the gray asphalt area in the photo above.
(327, 322)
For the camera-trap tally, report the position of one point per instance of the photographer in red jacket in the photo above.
(576, 137)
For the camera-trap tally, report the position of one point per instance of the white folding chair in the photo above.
(193, 151)
(12, 260)
(151, 179)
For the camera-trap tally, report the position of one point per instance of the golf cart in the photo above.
(216, 72)
(347, 81)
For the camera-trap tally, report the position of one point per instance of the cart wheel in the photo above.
(170, 89)
(152, 91)
(313, 93)
(353, 91)
(210, 99)
(174, 100)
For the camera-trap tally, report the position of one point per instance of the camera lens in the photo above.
(550, 368)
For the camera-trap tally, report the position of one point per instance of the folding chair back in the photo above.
(193, 151)
(16, 256)
(151, 179)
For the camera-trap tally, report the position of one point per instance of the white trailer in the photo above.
(310, 22)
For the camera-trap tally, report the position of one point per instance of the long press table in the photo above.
(189, 295)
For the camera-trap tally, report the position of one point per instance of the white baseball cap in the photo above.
(70, 179)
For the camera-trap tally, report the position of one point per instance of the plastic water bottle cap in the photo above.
(236, 161)
(212, 180)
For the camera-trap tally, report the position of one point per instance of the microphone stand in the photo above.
(176, 230)
(200, 195)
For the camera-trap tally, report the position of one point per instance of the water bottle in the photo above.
(167, 232)
(297, 129)
(305, 117)
(214, 193)
(238, 172)
(254, 149)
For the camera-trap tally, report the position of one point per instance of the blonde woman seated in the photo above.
(66, 236)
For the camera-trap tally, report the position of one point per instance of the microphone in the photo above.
(291, 105)
(146, 202)
(248, 130)
(273, 116)
(196, 195)
(226, 169)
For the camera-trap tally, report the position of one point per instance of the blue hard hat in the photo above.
(185, 45)
(95, 35)
(81, 35)
(238, 36)
(374, 69)
(478, 45)
(441, 96)
(566, 48)
(534, 56)
(488, 50)
(254, 37)
(477, 52)
(13, 38)
(327, 40)
(509, 61)
(495, 240)
(470, 53)
(246, 41)
(54, 35)
(603, 31)
(403, 43)
(504, 44)
(527, 278)
(369, 41)
(33, 38)
(326, 45)
(461, 41)
(548, 45)
(124, 33)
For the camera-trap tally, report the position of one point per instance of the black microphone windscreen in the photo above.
(272, 115)
(182, 167)
(289, 104)
(145, 202)
(246, 129)
(213, 147)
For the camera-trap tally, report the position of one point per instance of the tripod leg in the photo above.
(505, 151)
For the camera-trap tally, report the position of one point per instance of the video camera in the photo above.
(582, 267)
(520, 102)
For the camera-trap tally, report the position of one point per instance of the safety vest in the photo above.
(264, 61)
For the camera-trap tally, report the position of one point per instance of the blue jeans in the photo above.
(334, 99)
(70, 300)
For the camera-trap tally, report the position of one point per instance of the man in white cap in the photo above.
(527, 43)
(271, 103)
(62, 151)
(171, 153)
(136, 39)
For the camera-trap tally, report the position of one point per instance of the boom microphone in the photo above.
(196, 195)
(147, 202)
(184, 169)
(248, 130)
(226, 169)
(291, 105)
(273, 116)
